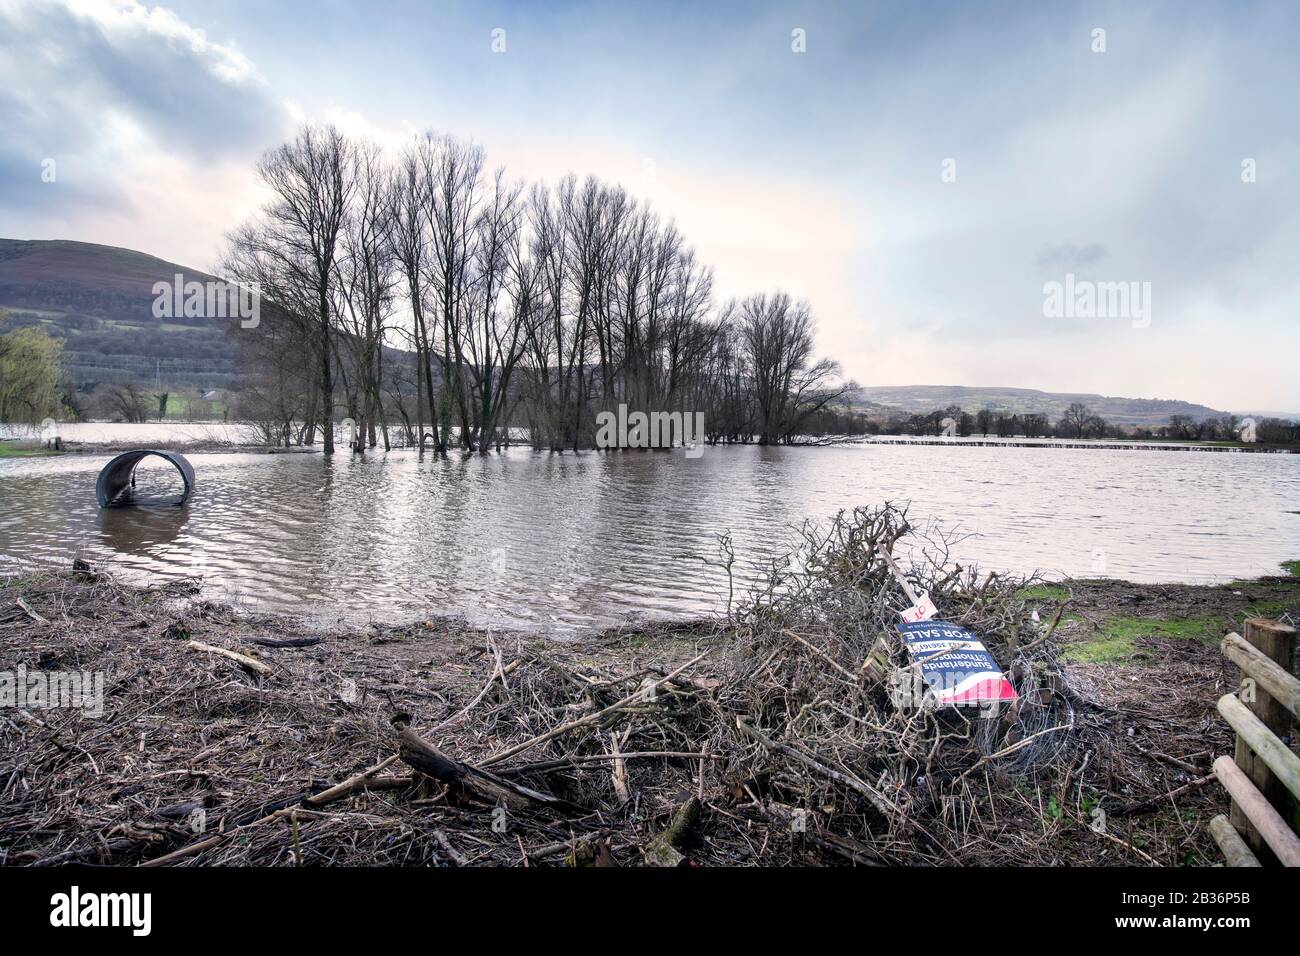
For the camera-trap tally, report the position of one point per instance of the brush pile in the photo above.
(782, 734)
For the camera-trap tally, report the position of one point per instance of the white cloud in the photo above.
(145, 118)
(125, 22)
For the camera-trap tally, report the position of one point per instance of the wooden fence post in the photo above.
(1277, 642)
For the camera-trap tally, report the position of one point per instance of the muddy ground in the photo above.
(203, 759)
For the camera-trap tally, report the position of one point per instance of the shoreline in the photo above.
(181, 725)
(1102, 444)
(15, 447)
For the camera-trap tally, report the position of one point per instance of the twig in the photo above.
(619, 770)
(578, 759)
(459, 858)
(498, 672)
(878, 800)
(1008, 750)
(823, 655)
(639, 694)
(1153, 802)
(350, 784)
(30, 613)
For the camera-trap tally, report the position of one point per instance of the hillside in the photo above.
(99, 300)
(1119, 411)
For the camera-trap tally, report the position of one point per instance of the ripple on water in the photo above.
(564, 541)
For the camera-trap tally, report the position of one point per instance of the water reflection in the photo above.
(147, 529)
(571, 541)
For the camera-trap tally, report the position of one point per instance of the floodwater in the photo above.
(142, 434)
(565, 541)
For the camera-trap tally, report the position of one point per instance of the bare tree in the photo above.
(409, 205)
(295, 245)
(1035, 425)
(123, 402)
(367, 279)
(1074, 422)
(500, 305)
(453, 177)
(788, 385)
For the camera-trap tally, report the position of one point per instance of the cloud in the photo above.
(1071, 258)
(105, 88)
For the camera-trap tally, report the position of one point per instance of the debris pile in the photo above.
(790, 732)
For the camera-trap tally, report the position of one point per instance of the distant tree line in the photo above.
(1271, 431)
(129, 402)
(425, 293)
(1078, 421)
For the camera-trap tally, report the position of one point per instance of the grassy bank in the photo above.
(9, 449)
(1115, 622)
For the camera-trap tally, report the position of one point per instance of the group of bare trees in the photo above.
(425, 293)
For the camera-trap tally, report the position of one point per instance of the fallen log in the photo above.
(287, 641)
(467, 780)
(666, 848)
(250, 663)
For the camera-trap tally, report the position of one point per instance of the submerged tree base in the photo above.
(227, 739)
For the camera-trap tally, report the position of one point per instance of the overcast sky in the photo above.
(820, 172)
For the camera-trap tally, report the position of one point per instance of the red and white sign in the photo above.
(922, 610)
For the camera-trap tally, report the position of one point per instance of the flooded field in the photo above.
(564, 541)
